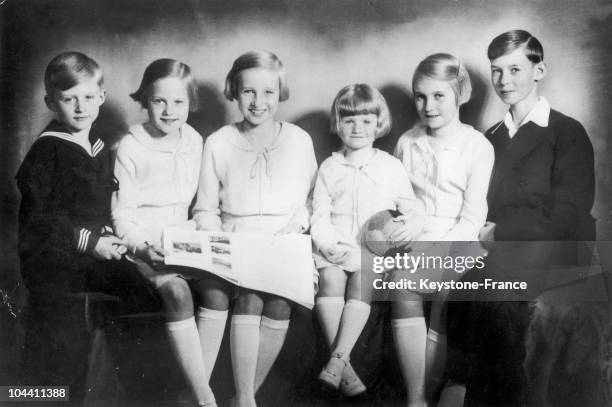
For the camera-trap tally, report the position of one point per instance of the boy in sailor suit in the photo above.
(65, 238)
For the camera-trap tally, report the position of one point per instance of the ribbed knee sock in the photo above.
(329, 312)
(185, 344)
(211, 326)
(353, 320)
(244, 345)
(409, 335)
(272, 333)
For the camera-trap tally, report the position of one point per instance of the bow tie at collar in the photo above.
(262, 157)
(262, 154)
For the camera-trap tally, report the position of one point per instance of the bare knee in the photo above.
(277, 308)
(214, 293)
(248, 303)
(356, 289)
(177, 299)
(332, 282)
(407, 309)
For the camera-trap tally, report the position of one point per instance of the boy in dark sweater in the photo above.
(544, 183)
(541, 194)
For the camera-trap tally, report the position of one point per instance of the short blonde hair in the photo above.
(256, 59)
(68, 69)
(361, 98)
(448, 68)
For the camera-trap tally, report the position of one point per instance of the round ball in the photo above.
(377, 230)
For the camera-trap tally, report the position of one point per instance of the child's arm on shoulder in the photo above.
(206, 212)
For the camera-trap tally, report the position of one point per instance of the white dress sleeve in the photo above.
(322, 231)
(206, 212)
(474, 210)
(303, 211)
(406, 200)
(124, 202)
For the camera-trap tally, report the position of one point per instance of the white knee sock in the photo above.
(272, 333)
(244, 345)
(185, 344)
(409, 335)
(435, 357)
(211, 326)
(329, 312)
(353, 320)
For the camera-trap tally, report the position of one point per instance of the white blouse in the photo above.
(345, 197)
(245, 189)
(451, 181)
(158, 179)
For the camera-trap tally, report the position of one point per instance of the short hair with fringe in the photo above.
(256, 59)
(67, 69)
(361, 98)
(167, 68)
(509, 41)
(448, 68)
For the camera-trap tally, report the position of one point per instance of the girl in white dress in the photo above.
(352, 185)
(450, 165)
(158, 165)
(256, 176)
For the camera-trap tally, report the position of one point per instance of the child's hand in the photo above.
(335, 254)
(151, 254)
(109, 247)
(407, 228)
(226, 227)
(290, 227)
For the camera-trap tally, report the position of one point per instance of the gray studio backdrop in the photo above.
(324, 46)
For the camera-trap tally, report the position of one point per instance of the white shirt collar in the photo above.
(143, 137)
(539, 115)
(341, 159)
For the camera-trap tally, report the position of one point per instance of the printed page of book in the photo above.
(210, 251)
(280, 265)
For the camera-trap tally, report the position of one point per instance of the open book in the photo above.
(280, 265)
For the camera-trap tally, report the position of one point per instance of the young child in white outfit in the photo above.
(352, 185)
(450, 165)
(158, 165)
(257, 176)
